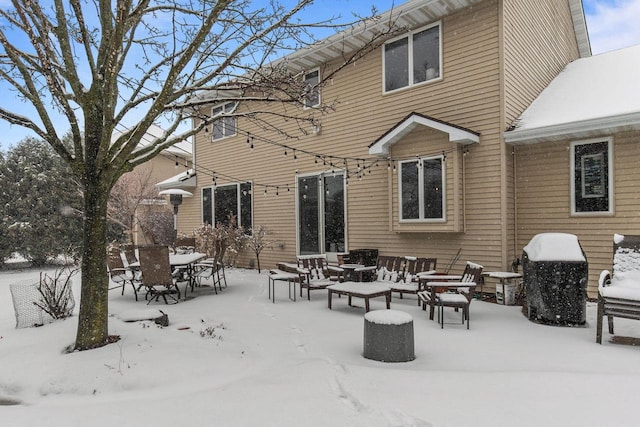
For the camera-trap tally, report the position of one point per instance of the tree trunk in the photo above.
(94, 301)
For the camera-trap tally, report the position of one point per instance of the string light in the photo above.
(361, 166)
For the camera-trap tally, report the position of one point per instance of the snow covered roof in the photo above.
(590, 96)
(182, 180)
(181, 149)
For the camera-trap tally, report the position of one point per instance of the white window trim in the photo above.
(409, 36)
(421, 218)
(320, 189)
(202, 203)
(304, 101)
(572, 178)
(221, 116)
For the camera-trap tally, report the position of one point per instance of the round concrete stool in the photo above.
(388, 336)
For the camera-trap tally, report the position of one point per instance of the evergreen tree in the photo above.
(42, 203)
(6, 244)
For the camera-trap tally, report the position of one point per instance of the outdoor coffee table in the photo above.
(362, 290)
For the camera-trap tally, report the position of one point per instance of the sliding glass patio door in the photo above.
(321, 213)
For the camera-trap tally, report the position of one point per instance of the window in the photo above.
(591, 176)
(226, 125)
(321, 213)
(312, 92)
(422, 189)
(207, 206)
(413, 59)
(228, 200)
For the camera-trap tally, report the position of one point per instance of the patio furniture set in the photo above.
(160, 272)
(391, 274)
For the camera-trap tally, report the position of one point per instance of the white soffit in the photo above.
(411, 14)
(456, 134)
(184, 180)
(580, 28)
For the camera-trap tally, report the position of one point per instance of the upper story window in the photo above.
(225, 125)
(224, 201)
(413, 59)
(591, 180)
(422, 189)
(312, 91)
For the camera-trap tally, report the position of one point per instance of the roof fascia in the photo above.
(456, 134)
(613, 123)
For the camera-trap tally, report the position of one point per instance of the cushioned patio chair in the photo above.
(316, 273)
(456, 292)
(408, 282)
(619, 290)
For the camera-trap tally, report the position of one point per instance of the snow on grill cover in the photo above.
(555, 272)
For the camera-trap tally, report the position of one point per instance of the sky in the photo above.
(236, 359)
(612, 24)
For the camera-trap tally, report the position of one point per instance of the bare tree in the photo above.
(102, 66)
(258, 241)
(127, 195)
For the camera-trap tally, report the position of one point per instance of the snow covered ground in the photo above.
(236, 359)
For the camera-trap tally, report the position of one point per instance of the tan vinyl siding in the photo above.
(468, 95)
(543, 187)
(539, 40)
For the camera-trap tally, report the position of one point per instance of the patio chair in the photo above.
(129, 252)
(408, 282)
(316, 273)
(457, 293)
(209, 269)
(119, 274)
(156, 272)
(619, 290)
(185, 245)
(387, 269)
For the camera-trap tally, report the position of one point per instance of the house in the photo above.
(169, 169)
(577, 154)
(408, 163)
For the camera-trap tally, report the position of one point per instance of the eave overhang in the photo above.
(578, 129)
(183, 181)
(457, 134)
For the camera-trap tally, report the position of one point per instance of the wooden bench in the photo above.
(619, 290)
(400, 273)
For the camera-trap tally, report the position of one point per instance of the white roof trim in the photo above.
(412, 14)
(183, 180)
(583, 128)
(456, 134)
(580, 28)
